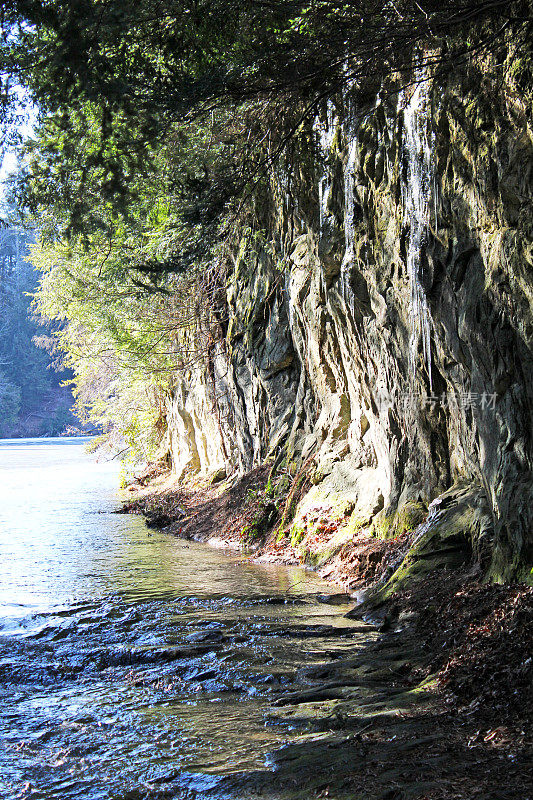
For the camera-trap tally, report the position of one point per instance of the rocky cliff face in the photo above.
(380, 333)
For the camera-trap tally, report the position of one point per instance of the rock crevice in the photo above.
(383, 325)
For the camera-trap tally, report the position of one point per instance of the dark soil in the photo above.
(479, 640)
(363, 561)
(201, 511)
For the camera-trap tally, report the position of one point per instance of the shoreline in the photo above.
(233, 515)
(450, 663)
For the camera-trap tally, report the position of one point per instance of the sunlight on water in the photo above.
(51, 542)
(132, 663)
(61, 543)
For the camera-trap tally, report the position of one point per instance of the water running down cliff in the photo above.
(326, 134)
(397, 271)
(416, 191)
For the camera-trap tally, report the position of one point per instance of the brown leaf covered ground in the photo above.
(480, 640)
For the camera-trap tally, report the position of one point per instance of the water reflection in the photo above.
(130, 661)
(59, 541)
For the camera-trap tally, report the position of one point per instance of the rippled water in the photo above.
(133, 664)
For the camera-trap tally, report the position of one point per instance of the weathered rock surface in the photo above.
(383, 325)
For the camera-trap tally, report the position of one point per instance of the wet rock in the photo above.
(338, 599)
(206, 636)
(218, 475)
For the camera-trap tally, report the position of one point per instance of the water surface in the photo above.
(134, 664)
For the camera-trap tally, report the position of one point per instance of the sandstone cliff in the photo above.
(380, 326)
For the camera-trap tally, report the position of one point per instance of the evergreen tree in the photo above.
(23, 365)
(132, 71)
(158, 122)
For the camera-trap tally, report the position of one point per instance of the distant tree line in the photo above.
(25, 377)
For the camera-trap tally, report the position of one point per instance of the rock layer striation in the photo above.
(380, 324)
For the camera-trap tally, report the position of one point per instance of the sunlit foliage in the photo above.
(159, 123)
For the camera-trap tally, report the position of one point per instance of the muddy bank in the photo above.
(244, 513)
(450, 708)
(383, 738)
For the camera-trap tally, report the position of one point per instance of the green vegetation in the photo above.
(137, 298)
(159, 124)
(405, 520)
(117, 81)
(25, 379)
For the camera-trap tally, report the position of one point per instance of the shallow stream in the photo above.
(134, 664)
